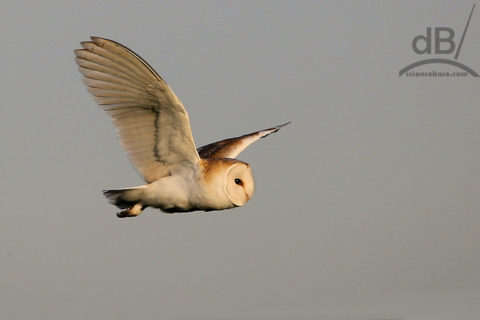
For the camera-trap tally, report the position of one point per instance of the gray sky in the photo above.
(366, 206)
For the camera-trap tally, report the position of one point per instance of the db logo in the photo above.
(439, 41)
(441, 35)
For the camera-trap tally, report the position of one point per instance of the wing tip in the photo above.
(97, 39)
(282, 125)
(86, 44)
(77, 52)
(275, 129)
(101, 42)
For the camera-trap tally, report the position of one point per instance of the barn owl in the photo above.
(154, 129)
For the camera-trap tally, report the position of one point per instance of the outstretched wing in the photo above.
(230, 148)
(151, 122)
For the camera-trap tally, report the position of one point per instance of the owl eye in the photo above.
(238, 181)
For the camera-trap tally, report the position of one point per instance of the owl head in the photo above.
(230, 180)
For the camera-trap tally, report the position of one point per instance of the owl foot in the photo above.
(131, 212)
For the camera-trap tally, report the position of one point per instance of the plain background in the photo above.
(366, 206)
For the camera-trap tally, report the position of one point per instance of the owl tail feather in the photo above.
(127, 199)
(123, 198)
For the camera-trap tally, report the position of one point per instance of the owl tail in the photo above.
(126, 199)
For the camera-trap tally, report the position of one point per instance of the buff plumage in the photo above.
(154, 129)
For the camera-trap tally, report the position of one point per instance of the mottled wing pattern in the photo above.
(230, 148)
(151, 122)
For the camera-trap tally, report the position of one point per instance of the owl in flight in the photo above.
(154, 130)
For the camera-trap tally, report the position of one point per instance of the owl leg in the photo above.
(131, 212)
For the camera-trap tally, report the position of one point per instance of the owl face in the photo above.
(239, 184)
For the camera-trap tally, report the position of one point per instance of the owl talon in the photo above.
(123, 214)
(131, 212)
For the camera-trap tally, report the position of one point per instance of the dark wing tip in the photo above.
(275, 129)
(101, 42)
(96, 39)
(283, 125)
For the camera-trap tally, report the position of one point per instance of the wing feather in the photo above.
(151, 122)
(230, 148)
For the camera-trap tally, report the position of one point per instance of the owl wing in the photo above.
(151, 122)
(230, 148)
